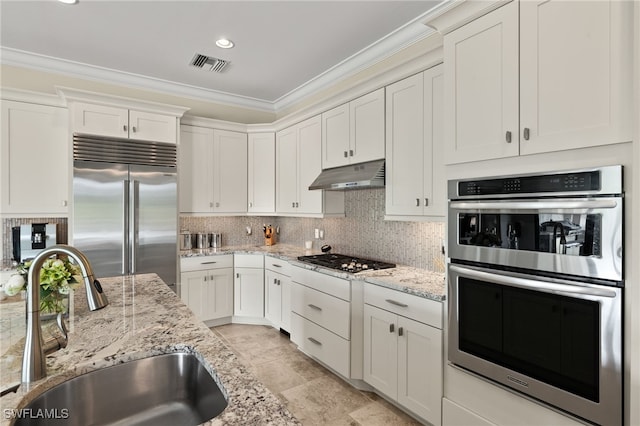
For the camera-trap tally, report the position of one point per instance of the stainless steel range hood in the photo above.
(353, 176)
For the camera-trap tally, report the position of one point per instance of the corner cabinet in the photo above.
(416, 184)
(261, 190)
(298, 163)
(354, 132)
(517, 83)
(403, 349)
(206, 286)
(34, 143)
(105, 120)
(213, 171)
(277, 288)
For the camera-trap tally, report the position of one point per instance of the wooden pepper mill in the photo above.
(269, 235)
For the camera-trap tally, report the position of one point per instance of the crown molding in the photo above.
(28, 96)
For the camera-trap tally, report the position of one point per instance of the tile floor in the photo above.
(313, 394)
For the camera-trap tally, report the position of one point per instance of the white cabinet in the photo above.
(416, 183)
(119, 122)
(213, 170)
(34, 144)
(206, 286)
(248, 297)
(403, 349)
(298, 163)
(277, 299)
(517, 82)
(354, 132)
(261, 190)
(321, 318)
(455, 415)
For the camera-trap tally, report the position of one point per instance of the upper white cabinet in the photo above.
(261, 190)
(354, 132)
(415, 175)
(213, 170)
(113, 121)
(298, 163)
(34, 143)
(538, 76)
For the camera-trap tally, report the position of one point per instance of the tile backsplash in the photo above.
(362, 232)
(62, 232)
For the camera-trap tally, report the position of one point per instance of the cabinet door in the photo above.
(285, 289)
(335, 137)
(195, 169)
(248, 292)
(152, 127)
(192, 290)
(261, 187)
(367, 127)
(420, 368)
(34, 143)
(230, 172)
(481, 87)
(218, 294)
(574, 85)
(405, 157)
(273, 298)
(309, 165)
(100, 120)
(435, 183)
(381, 350)
(286, 170)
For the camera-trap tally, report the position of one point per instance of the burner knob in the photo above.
(344, 266)
(365, 266)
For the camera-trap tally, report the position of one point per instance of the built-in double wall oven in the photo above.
(536, 286)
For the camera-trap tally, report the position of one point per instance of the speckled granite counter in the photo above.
(144, 317)
(419, 282)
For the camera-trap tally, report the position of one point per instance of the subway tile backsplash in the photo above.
(363, 232)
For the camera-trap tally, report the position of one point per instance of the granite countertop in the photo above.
(143, 318)
(416, 281)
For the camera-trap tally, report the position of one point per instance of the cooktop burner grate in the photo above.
(345, 263)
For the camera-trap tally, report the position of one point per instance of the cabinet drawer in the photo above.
(325, 310)
(321, 344)
(418, 308)
(248, 261)
(277, 265)
(199, 263)
(334, 286)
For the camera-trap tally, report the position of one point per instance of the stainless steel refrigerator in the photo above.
(125, 215)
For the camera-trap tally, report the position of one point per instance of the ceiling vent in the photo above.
(208, 63)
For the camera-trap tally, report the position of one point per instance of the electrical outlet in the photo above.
(316, 233)
(322, 234)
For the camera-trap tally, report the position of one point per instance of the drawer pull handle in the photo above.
(400, 331)
(392, 328)
(393, 302)
(276, 265)
(312, 340)
(208, 263)
(317, 308)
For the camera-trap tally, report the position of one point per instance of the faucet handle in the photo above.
(57, 342)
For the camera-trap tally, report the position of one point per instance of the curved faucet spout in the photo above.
(34, 366)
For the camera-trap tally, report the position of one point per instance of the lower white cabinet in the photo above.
(277, 298)
(456, 415)
(248, 298)
(402, 356)
(206, 286)
(321, 319)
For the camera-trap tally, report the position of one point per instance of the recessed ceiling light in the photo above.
(224, 43)
(68, 1)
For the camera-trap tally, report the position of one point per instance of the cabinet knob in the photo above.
(508, 136)
(417, 202)
(345, 154)
(392, 328)
(275, 281)
(293, 204)
(297, 204)
(400, 331)
(350, 153)
(133, 129)
(124, 128)
(526, 134)
(205, 278)
(238, 275)
(426, 202)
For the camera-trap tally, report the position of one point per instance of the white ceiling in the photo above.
(284, 49)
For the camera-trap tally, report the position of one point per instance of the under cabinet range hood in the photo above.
(353, 176)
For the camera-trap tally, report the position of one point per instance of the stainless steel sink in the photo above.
(168, 389)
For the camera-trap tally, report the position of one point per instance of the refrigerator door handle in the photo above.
(134, 210)
(125, 233)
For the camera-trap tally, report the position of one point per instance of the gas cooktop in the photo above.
(346, 263)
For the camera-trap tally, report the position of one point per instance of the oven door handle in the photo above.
(543, 286)
(535, 205)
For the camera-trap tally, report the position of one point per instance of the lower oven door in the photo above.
(556, 340)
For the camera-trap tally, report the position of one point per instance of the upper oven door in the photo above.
(574, 236)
